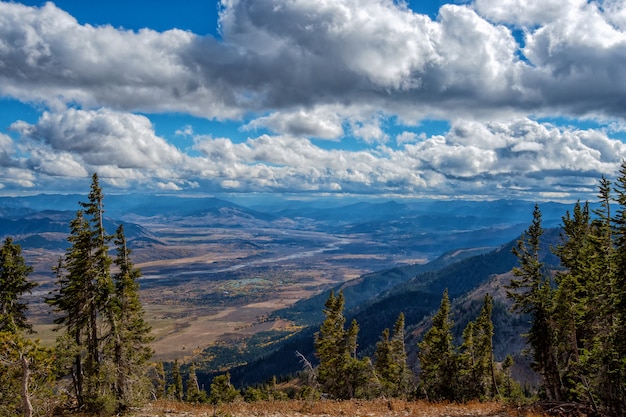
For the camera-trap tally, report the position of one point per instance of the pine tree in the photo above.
(21, 360)
(14, 284)
(159, 381)
(222, 391)
(476, 367)
(130, 333)
(615, 359)
(438, 371)
(105, 333)
(83, 298)
(328, 347)
(391, 366)
(194, 393)
(340, 373)
(175, 390)
(579, 253)
(532, 294)
(26, 375)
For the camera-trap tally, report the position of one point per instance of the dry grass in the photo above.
(375, 408)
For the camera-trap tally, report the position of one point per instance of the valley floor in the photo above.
(354, 408)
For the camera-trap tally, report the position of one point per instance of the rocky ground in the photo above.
(378, 408)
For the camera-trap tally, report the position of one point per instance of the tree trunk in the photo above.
(28, 407)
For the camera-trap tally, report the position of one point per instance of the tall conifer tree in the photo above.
(532, 294)
(438, 371)
(130, 333)
(14, 284)
(105, 333)
(391, 363)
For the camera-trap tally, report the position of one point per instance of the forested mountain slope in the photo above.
(417, 296)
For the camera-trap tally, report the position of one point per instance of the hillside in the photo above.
(416, 295)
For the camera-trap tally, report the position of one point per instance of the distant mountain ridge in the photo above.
(429, 227)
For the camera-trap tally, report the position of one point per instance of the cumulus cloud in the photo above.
(512, 158)
(102, 137)
(73, 143)
(486, 158)
(6, 150)
(321, 123)
(283, 55)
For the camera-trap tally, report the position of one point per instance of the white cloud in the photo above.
(103, 137)
(186, 130)
(525, 12)
(408, 137)
(6, 150)
(489, 159)
(277, 58)
(321, 123)
(500, 158)
(168, 186)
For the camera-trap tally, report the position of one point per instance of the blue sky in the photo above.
(426, 99)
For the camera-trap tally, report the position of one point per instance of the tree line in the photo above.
(578, 314)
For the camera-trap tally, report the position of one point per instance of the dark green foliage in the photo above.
(340, 373)
(104, 344)
(194, 393)
(129, 332)
(476, 367)
(577, 322)
(26, 376)
(158, 380)
(175, 390)
(438, 365)
(13, 285)
(222, 391)
(532, 294)
(25, 366)
(265, 392)
(391, 367)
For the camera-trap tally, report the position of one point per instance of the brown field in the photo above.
(201, 284)
(375, 408)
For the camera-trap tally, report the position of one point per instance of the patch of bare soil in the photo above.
(354, 408)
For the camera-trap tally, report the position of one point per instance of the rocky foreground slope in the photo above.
(356, 408)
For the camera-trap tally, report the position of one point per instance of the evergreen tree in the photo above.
(130, 333)
(22, 361)
(159, 381)
(83, 298)
(26, 375)
(340, 373)
(105, 333)
(222, 391)
(615, 293)
(476, 367)
(175, 390)
(532, 294)
(328, 347)
(194, 393)
(580, 254)
(438, 371)
(14, 284)
(391, 366)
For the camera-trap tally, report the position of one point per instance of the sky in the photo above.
(514, 99)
